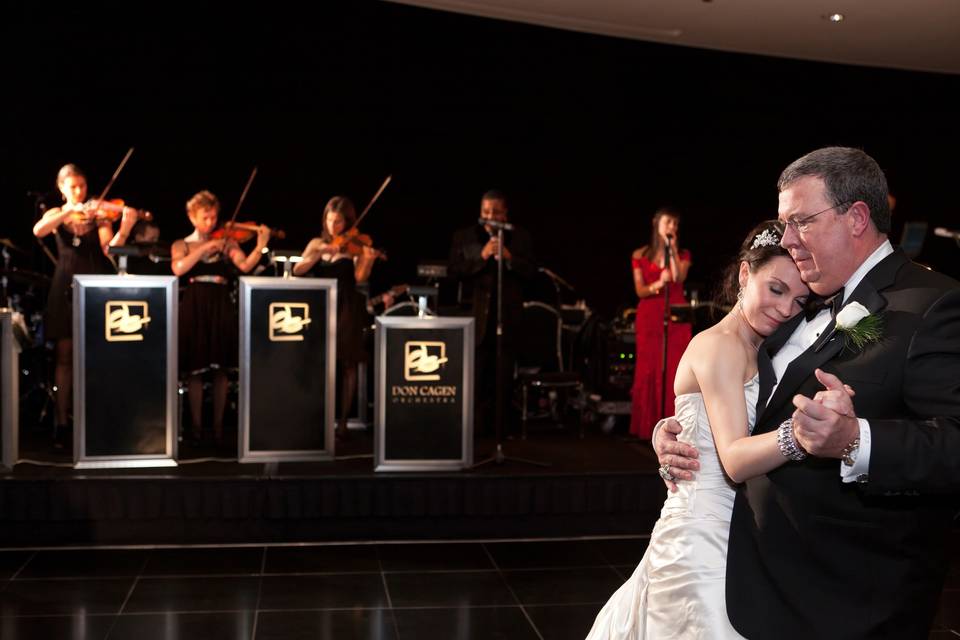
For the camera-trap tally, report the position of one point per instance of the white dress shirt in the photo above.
(807, 333)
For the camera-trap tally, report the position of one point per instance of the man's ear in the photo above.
(860, 220)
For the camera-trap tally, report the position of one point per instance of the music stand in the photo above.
(123, 252)
(285, 258)
(498, 457)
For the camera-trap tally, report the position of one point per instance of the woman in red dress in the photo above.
(649, 279)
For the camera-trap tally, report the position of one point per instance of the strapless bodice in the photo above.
(691, 412)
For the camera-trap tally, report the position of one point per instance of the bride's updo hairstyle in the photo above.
(761, 245)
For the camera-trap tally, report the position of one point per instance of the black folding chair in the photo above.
(540, 362)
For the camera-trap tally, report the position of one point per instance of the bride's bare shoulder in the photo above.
(715, 349)
(716, 337)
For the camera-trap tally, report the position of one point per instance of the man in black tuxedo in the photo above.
(848, 539)
(473, 260)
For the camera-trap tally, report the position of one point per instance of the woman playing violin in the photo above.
(342, 253)
(207, 267)
(83, 236)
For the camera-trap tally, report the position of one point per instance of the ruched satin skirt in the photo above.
(678, 591)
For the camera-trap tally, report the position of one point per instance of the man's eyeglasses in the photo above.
(800, 225)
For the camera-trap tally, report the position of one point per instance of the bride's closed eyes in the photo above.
(779, 288)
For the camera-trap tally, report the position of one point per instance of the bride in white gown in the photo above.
(677, 591)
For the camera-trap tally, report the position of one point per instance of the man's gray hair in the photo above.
(849, 175)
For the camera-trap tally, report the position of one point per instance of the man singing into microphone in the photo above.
(473, 261)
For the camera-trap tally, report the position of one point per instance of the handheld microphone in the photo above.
(669, 236)
(943, 232)
(493, 224)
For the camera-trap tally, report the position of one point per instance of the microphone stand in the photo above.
(4, 302)
(666, 330)
(498, 456)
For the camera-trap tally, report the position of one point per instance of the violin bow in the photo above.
(243, 196)
(116, 173)
(373, 200)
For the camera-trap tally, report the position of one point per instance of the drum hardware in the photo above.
(575, 315)
(23, 276)
(8, 245)
(40, 205)
(36, 367)
(557, 280)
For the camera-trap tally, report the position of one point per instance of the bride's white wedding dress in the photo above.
(677, 590)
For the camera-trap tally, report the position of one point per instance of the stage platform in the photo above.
(599, 485)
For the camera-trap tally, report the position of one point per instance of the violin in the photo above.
(352, 243)
(111, 210)
(241, 232)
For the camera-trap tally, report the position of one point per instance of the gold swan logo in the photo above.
(126, 320)
(423, 360)
(288, 321)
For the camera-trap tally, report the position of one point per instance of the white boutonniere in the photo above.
(859, 325)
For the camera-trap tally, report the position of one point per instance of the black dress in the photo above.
(85, 258)
(208, 330)
(351, 308)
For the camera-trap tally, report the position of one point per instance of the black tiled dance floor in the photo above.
(537, 590)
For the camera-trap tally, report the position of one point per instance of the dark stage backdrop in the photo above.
(587, 134)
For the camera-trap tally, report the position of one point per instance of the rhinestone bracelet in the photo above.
(789, 447)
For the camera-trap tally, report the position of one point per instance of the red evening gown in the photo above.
(647, 373)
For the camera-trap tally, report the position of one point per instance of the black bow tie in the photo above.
(816, 304)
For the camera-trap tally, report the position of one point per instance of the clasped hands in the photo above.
(489, 250)
(666, 277)
(823, 425)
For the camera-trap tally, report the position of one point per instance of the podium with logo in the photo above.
(287, 367)
(125, 371)
(9, 389)
(423, 393)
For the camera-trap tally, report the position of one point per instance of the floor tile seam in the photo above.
(23, 566)
(127, 576)
(168, 576)
(438, 571)
(575, 603)
(162, 576)
(572, 567)
(128, 614)
(386, 592)
(438, 607)
(158, 612)
(130, 591)
(513, 594)
(332, 543)
(274, 574)
(61, 615)
(113, 623)
(383, 579)
(419, 607)
(256, 612)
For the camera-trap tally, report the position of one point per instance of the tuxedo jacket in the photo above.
(813, 557)
(479, 276)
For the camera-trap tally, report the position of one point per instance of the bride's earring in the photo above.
(740, 295)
